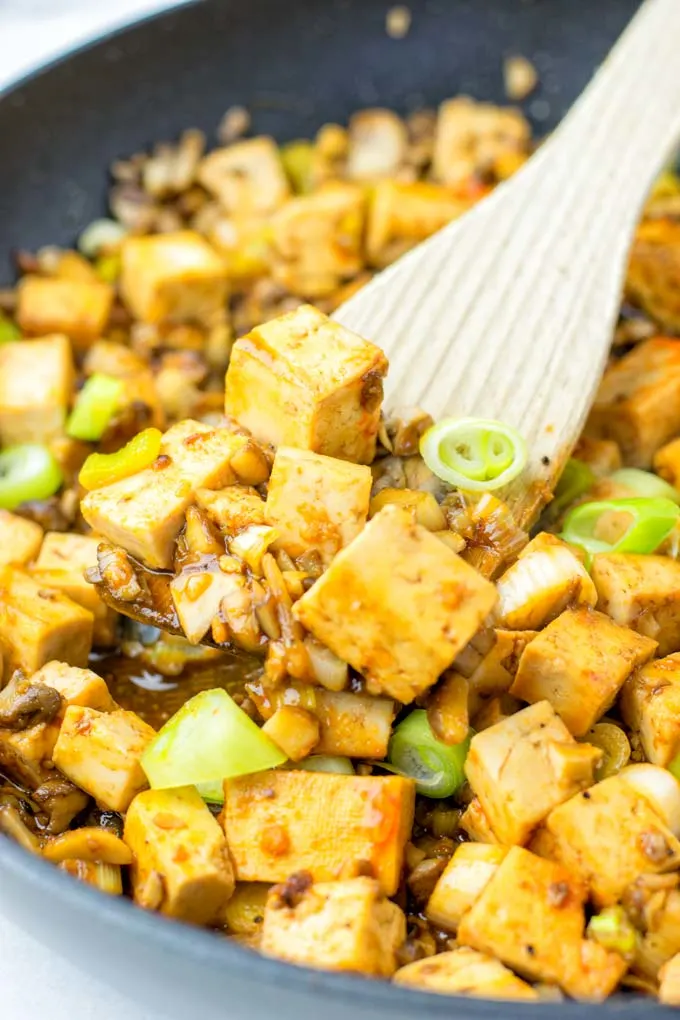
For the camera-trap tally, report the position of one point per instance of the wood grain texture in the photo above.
(508, 312)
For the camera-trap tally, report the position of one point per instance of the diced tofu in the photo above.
(61, 564)
(464, 971)
(530, 915)
(234, 508)
(641, 592)
(20, 539)
(579, 663)
(422, 506)
(145, 512)
(667, 462)
(39, 624)
(610, 835)
(317, 240)
(100, 752)
(378, 140)
(669, 982)
(345, 926)
(173, 278)
(354, 725)
(79, 309)
(650, 706)
(304, 381)
(401, 214)
(653, 280)
(316, 503)
(277, 823)
(462, 881)
(181, 864)
(494, 674)
(397, 605)
(247, 178)
(638, 403)
(76, 686)
(523, 767)
(660, 920)
(474, 822)
(36, 382)
(602, 456)
(294, 730)
(545, 579)
(472, 136)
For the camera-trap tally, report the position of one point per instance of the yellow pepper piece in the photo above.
(102, 469)
(297, 162)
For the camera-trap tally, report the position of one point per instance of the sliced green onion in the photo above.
(105, 468)
(652, 521)
(674, 767)
(645, 483)
(613, 929)
(414, 751)
(576, 479)
(210, 739)
(96, 405)
(213, 793)
(27, 472)
(8, 331)
(327, 763)
(473, 454)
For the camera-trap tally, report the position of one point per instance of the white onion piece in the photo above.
(101, 235)
(660, 788)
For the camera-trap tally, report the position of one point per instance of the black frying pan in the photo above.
(295, 64)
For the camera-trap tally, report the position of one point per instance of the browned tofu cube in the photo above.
(641, 592)
(530, 915)
(294, 730)
(247, 178)
(173, 278)
(462, 881)
(638, 403)
(403, 213)
(474, 822)
(39, 624)
(667, 462)
(492, 674)
(353, 725)
(277, 823)
(76, 686)
(302, 380)
(579, 664)
(464, 971)
(397, 604)
(181, 865)
(471, 137)
(20, 539)
(61, 564)
(602, 456)
(610, 835)
(36, 382)
(650, 706)
(79, 309)
(523, 767)
(100, 752)
(233, 508)
(653, 280)
(348, 925)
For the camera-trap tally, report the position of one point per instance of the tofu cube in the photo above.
(61, 564)
(669, 982)
(476, 825)
(403, 213)
(667, 462)
(76, 686)
(39, 624)
(316, 503)
(462, 881)
(100, 752)
(233, 508)
(579, 663)
(20, 539)
(638, 403)
(653, 279)
(173, 278)
(145, 512)
(344, 926)
(278, 823)
(471, 137)
(609, 836)
(353, 725)
(294, 730)
(523, 767)
(79, 309)
(302, 380)
(247, 178)
(464, 971)
(36, 382)
(397, 604)
(650, 707)
(641, 592)
(530, 915)
(181, 864)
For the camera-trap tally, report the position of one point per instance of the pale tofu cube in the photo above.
(278, 823)
(464, 971)
(145, 512)
(316, 503)
(61, 564)
(471, 137)
(397, 605)
(173, 278)
(39, 624)
(100, 752)
(246, 178)
(378, 140)
(530, 915)
(461, 882)
(20, 539)
(667, 462)
(638, 403)
(36, 382)
(318, 240)
(602, 456)
(650, 707)
(669, 982)
(181, 864)
(403, 213)
(344, 926)
(641, 592)
(579, 664)
(233, 508)
(76, 686)
(79, 309)
(354, 725)
(609, 836)
(302, 380)
(546, 578)
(523, 767)
(476, 825)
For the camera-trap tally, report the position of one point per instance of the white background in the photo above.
(35, 983)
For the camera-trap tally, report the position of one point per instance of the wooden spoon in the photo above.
(508, 313)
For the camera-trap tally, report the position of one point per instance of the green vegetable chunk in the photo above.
(652, 521)
(613, 929)
(96, 405)
(415, 751)
(27, 472)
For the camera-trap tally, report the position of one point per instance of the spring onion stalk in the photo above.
(104, 468)
(27, 472)
(414, 751)
(96, 405)
(210, 739)
(8, 331)
(645, 483)
(576, 479)
(612, 928)
(327, 763)
(473, 454)
(652, 521)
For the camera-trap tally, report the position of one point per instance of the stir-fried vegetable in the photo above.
(9, 333)
(612, 928)
(651, 521)
(27, 472)
(327, 763)
(576, 479)
(645, 483)
(105, 468)
(96, 405)
(414, 751)
(615, 746)
(474, 454)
